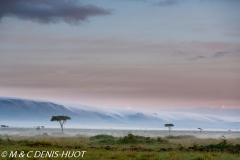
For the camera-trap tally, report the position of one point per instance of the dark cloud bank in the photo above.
(49, 11)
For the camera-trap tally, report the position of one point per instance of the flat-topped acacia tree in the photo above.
(61, 119)
(169, 126)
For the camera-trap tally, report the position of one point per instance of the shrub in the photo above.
(102, 136)
(130, 138)
(134, 139)
(107, 141)
(104, 139)
(180, 137)
(221, 145)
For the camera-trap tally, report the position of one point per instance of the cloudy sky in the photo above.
(122, 53)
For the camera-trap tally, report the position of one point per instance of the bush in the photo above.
(221, 145)
(134, 139)
(180, 137)
(102, 136)
(107, 141)
(131, 139)
(104, 139)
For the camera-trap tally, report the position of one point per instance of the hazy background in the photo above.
(133, 54)
(116, 133)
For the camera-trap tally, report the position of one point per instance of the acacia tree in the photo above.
(169, 126)
(61, 119)
(200, 129)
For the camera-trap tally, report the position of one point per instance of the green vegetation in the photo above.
(135, 139)
(129, 139)
(103, 139)
(107, 147)
(180, 137)
(224, 146)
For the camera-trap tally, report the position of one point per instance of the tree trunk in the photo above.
(62, 127)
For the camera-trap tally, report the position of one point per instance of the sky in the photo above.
(135, 54)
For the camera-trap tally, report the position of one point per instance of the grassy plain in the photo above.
(106, 147)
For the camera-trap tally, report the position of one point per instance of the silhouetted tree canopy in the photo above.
(61, 119)
(170, 125)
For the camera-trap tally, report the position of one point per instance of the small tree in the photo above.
(61, 119)
(200, 129)
(169, 126)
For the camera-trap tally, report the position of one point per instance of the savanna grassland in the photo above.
(107, 147)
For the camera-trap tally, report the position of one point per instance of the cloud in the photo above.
(196, 58)
(180, 54)
(226, 53)
(222, 110)
(183, 55)
(220, 54)
(49, 11)
(168, 3)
